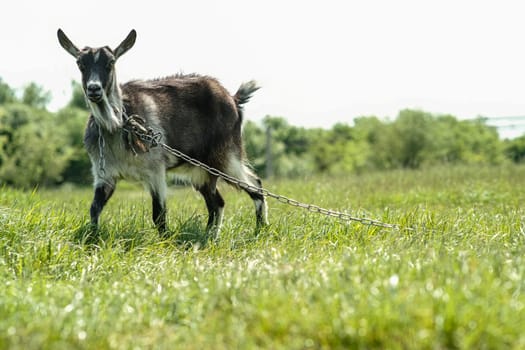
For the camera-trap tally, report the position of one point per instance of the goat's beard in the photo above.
(108, 111)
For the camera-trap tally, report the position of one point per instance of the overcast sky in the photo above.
(318, 62)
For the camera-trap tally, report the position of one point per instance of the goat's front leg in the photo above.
(159, 212)
(158, 188)
(103, 191)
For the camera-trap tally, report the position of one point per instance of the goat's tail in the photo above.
(244, 94)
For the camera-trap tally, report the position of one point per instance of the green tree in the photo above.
(340, 150)
(418, 138)
(78, 168)
(35, 96)
(515, 149)
(289, 148)
(33, 150)
(7, 95)
(38, 147)
(254, 139)
(378, 136)
(78, 98)
(414, 138)
(483, 142)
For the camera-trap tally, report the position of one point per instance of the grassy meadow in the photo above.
(307, 281)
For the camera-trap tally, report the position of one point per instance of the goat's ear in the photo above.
(67, 44)
(126, 44)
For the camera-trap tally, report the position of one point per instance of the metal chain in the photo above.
(283, 199)
(101, 158)
(154, 139)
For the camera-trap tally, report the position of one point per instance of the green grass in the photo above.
(306, 281)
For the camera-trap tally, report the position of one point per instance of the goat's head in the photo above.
(99, 82)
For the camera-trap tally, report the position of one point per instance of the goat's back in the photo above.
(196, 115)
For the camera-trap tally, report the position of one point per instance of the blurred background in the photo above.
(347, 86)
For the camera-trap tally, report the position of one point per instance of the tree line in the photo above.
(43, 148)
(412, 140)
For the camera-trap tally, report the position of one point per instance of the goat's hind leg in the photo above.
(261, 208)
(241, 172)
(215, 206)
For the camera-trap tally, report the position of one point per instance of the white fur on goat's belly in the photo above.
(190, 174)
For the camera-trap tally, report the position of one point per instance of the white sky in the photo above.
(318, 62)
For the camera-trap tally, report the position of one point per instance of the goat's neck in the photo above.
(108, 112)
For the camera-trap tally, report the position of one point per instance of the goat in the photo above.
(194, 114)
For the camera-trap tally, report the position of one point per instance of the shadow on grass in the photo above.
(90, 235)
(186, 234)
(125, 238)
(190, 235)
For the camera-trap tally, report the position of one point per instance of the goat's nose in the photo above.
(94, 87)
(94, 92)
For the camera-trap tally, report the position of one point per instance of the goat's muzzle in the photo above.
(94, 92)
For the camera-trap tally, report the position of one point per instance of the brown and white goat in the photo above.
(194, 114)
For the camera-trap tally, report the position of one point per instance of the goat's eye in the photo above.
(110, 64)
(81, 66)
